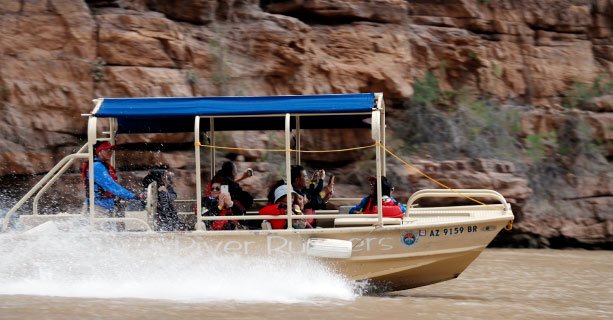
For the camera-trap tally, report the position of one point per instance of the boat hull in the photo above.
(391, 258)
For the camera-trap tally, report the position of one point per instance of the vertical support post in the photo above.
(288, 168)
(91, 140)
(298, 140)
(212, 137)
(381, 106)
(376, 126)
(198, 174)
(112, 135)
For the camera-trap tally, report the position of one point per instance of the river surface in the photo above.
(42, 280)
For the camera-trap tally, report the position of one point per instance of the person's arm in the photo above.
(403, 207)
(327, 193)
(316, 186)
(360, 207)
(315, 196)
(172, 195)
(211, 204)
(244, 176)
(166, 200)
(103, 179)
(237, 210)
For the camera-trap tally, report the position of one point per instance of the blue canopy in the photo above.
(139, 115)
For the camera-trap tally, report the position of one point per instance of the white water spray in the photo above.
(114, 265)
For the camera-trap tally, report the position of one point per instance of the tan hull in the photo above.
(421, 251)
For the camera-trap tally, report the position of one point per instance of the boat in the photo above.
(428, 244)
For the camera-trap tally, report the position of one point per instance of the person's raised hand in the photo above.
(329, 189)
(300, 200)
(221, 198)
(225, 200)
(315, 176)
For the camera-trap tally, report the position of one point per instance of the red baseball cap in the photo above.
(104, 145)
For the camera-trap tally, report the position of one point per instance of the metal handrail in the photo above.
(293, 216)
(53, 179)
(264, 200)
(40, 184)
(459, 193)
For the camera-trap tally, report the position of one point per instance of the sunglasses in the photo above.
(215, 188)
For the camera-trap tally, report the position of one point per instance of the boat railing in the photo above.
(44, 184)
(293, 216)
(185, 203)
(458, 193)
(53, 179)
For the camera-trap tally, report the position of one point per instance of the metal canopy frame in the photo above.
(377, 129)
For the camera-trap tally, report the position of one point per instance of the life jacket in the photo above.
(85, 178)
(275, 210)
(391, 208)
(279, 209)
(221, 224)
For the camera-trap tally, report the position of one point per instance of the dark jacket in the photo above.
(211, 208)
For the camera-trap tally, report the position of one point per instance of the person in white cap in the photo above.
(279, 207)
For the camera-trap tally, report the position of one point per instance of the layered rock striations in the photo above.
(57, 55)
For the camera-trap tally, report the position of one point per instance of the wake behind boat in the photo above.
(424, 245)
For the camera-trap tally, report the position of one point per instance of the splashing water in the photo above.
(114, 265)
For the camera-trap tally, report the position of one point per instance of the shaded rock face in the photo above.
(57, 55)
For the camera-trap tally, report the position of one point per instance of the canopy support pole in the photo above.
(381, 106)
(212, 142)
(288, 169)
(112, 135)
(91, 140)
(378, 149)
(298, 140)
(198, 174)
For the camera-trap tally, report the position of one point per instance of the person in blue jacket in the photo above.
(369, 203)
(106, 187)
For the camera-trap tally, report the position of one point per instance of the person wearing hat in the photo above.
(279, 207)
(391, 206)
(106, 187)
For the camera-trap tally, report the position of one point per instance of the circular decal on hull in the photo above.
(409, 238)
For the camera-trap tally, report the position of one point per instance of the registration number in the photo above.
(452, 231)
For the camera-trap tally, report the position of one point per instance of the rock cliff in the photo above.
(551, 61)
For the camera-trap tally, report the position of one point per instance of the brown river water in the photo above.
(48, 280)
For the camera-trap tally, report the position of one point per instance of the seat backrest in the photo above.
(390, 211)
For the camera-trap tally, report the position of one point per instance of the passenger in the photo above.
(227, 176)
(167, 218)
(105, 182)
(279, 207)
(271, 191)
(391, 206)
(218, 203)
(317, 195)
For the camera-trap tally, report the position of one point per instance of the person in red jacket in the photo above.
(218, 203)
(279, 207)
(391, 207)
